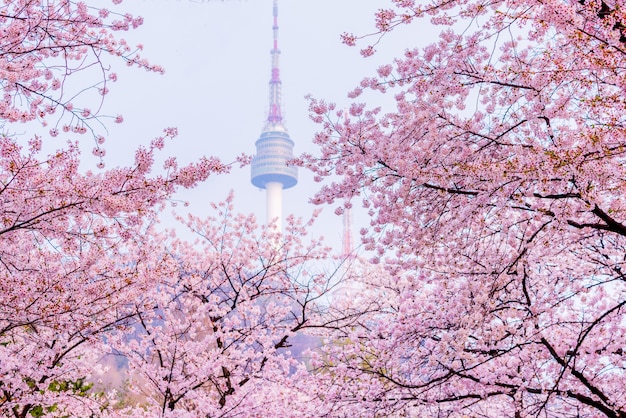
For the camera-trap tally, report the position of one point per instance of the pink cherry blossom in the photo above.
(495, 189)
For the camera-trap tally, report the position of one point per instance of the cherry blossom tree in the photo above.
(496, 195)
(45, 46)
(73, 247)
(231, 315)
(72, 252)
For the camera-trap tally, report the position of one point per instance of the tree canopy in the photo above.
(496, 195)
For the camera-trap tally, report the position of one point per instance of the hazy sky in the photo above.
(215, 89)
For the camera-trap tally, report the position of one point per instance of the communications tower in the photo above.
(274, 148)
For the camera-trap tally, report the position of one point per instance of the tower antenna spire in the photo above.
(274, 148)
(275, 117)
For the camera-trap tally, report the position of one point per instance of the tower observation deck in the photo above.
(274, 148)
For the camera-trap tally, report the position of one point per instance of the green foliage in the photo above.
(78, 387)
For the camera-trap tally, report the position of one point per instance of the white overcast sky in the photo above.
(215, 89)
